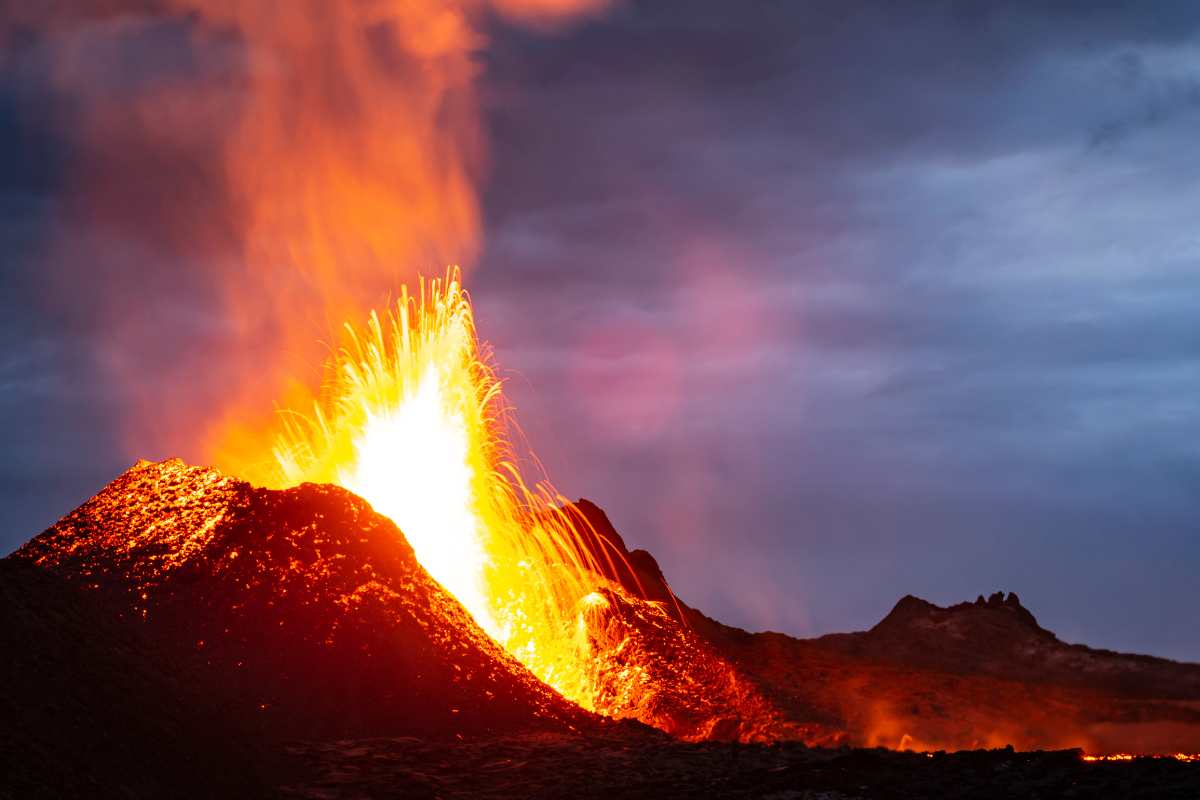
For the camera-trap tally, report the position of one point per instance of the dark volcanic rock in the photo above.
(634, 767)
(646, 662)
(635, 570)
(1063, 694)
(981, 674)
(303, 607)
(643, 661)
(90, 707)
(1000, 637)
(647, 665)
(268, 615)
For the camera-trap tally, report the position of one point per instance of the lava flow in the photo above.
(412, 419)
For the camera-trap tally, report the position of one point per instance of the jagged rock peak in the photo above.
(998, 599)
(911, 609)
(636, 570)
(909, 606)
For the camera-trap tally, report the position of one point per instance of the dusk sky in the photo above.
(824, 303)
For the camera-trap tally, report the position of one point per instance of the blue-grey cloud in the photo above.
(961, 240)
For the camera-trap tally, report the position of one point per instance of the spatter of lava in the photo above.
(412, 418)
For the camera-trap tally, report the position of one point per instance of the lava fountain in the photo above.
(412, 418)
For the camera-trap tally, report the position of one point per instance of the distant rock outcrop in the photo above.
(1000, 637)
(970, 675)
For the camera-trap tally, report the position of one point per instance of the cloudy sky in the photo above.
(824, 303)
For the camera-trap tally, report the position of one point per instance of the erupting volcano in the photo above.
(345, 573)
(467, 602)
(413, 420)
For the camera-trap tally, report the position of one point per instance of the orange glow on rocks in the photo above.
(412, 419)
(1185, 757)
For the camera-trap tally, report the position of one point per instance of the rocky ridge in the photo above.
(207, 623)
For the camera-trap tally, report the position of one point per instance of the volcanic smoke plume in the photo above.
(326, 153)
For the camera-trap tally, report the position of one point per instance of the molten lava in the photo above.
(412, 419)
(1185, 757)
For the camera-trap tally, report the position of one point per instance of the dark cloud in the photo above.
(825, 303)
(960, 238)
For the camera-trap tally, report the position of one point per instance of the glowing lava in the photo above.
(411, 418)
(414, 464)
(1186, 757)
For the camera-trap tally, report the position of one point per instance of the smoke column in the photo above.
(297, 160)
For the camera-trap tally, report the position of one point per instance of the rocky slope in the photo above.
(648, 663)
(981, 674)
(181, 600)
(633, 768)
(1000, 637)
(175, 631)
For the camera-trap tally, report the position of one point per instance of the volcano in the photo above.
(186, 632)
(205, 609)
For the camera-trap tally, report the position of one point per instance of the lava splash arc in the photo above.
(411, 418)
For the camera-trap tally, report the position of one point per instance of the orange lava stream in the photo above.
(1189, 757)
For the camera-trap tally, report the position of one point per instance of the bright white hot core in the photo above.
(413, 465)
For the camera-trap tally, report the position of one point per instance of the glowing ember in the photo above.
(412, 420)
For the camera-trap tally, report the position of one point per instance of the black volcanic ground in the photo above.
(186, 634)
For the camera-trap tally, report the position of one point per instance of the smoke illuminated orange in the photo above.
(352, 151)
(1187, 757)
(356, 159)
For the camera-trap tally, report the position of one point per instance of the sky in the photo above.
(824, 303)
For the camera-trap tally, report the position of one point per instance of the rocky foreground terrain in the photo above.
(186, 634)
(628, 766)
